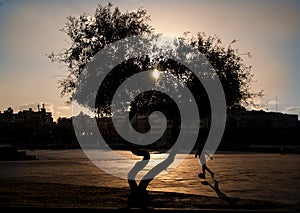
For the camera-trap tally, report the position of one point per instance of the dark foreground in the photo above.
(36, 197)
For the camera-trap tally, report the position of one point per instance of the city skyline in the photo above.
(269, 30)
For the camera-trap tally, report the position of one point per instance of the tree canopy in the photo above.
(89, 34)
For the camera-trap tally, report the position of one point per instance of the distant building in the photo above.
(243, 127)
(27, 118)
(27, 127)
(241, 118)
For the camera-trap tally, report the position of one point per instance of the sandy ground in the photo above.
(19, 193)
(270, 177)
(67, 179)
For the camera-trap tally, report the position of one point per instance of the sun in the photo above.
(155, 74)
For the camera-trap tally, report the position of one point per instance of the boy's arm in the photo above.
(197, 153)
(209, 155)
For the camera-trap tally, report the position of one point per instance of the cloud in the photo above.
(62, 111)
(63, 108)
(292, 110)
(272, 102)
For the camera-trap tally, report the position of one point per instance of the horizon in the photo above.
(56, 119)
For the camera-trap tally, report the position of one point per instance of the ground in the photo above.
(18, 193)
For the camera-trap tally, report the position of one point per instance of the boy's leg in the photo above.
(211, 173)
(203, 170)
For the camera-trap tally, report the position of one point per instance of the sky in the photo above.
(268, 29)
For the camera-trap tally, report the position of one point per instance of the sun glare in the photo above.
(155, 74)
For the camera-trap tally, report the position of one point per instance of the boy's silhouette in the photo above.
(202, 159)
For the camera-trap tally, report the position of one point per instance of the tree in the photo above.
(234, 74)
(90, 34)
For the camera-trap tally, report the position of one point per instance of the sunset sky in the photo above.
(268, 29)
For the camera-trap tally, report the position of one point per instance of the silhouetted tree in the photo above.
(90, 34)
(234, 74)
